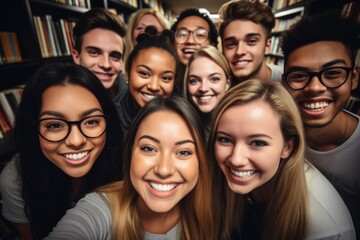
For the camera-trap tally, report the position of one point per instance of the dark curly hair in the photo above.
(327, 26)
(195, 12)
(152, 39)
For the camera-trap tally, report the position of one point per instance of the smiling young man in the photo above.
(99, 46)
(245, 35)
(320, 73)
(193, 30)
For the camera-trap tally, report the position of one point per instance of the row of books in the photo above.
(55, 37)
(285, 24)
(275, 48)
(75, 3)
(9, 102)
(280, 4)
(9, 48)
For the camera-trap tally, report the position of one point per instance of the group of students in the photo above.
(155, 133)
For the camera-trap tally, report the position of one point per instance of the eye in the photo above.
(253, 41)
(53, 125)
(93, 52)
(298, 76)
(215, 79)
(144, 74)
(224, 140)
(193, 81)
(148, 149)
(116, 56)
(258, 143)
(229, 45)
(334, 73)
(92, 121)
(184, 153)
(167, 78)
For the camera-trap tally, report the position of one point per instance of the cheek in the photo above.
(193, 89)
(168, 88)
(221, 153)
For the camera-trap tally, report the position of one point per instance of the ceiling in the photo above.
(178, 5)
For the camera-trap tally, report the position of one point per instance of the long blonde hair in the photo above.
(133, 22)
(195, 213)
(211, 53)
(286, 214)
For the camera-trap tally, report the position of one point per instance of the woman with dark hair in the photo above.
(151, 70)
(68, 139)
(166, 191)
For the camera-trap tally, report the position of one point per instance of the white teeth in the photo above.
(148, 96)
(242, 174)
(76, 156)
(318, 106)
(243, 62)
(189, 50)
(162, 187)
(204, 97)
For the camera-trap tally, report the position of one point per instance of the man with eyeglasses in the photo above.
(245, 34)
(193, 29)
(320, 73)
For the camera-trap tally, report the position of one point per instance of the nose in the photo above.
(315, 85)
(75, 137)
(240, 156)
(204, 86)
(154, 84)
(241, 49)
(104, 62)
(191, 38)
(164, 166)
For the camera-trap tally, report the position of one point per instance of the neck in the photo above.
(262, 194)
(76, 187)
(333, 134)
(155, 222)
(113, 90)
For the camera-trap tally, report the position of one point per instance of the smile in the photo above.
(149, 96)
(162, 187)
(76, 156)
(318, 106)
(242, 174)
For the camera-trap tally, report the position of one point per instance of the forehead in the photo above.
(315, 55)
(102, 38)
(156, 57)
(148, 19)
(242, 28)
(193, 22)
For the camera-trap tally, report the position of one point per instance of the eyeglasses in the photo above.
(200, 35)
(56, 130)
(332, 77)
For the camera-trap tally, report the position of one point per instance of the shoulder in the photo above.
(89, 219)
(11, 187)
(276, 72)
(329, 215)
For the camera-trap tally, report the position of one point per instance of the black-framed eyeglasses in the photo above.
(200, 35)
(332, 77)
(56, 129)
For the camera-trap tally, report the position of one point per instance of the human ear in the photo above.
(355, 77)
(75, 56)
(288, 148)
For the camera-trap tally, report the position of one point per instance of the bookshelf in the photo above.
(288, 12)
(37, 26)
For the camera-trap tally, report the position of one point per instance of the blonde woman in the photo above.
(207, 78)
(137, 24)
(265, 188)
(166, 191)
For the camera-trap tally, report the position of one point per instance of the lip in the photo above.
(79, 161)
(145, 96)
(204, 101)
(315, 107)
(162, 193)
(104, 76)
(240, 63)
(240, 180)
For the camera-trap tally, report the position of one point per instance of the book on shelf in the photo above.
(10, 49)
(50, 45)
(41, 37)
(8, 111)
(66, 42)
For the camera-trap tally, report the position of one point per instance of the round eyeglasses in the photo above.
(332, 77)
(56, 130)
(200, 35)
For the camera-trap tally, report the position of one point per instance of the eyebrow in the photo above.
(60, 115)
(232, 38)
(100, 50)
(251, 136)
(328, 64)
(149, 69)
(158, 141)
